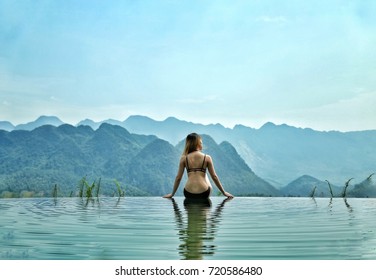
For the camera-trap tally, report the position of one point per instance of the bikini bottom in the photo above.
(202, 195)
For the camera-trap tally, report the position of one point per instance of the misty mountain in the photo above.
(34, 161)
(172, 129)
(366, 188)
(285, 152)
(277, 153)
(280, 153)
(95, 125)
(42, 120)
(5, 125)
(304, 185)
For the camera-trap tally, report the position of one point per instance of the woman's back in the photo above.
(196, 165)
(196, 162)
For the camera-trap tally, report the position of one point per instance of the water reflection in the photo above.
(197, 232)
(330, 204)
(348, 205)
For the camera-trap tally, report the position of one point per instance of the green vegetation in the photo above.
(86, 190)
(50, 161)
(120, 190)
(33, 162)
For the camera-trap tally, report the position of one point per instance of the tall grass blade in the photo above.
(55, 191)
(81, 186)
(330, 188)
(120, 191)
(98, 188)
(346, 186)
(312, 194)
(369, 178)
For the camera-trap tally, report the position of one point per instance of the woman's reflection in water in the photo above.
(198, 231)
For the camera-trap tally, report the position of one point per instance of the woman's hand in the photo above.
(168, 195)
(229, 195)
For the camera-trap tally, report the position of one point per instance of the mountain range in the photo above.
(277, 153)
(34, 161)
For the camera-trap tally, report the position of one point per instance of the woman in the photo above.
(196, 163)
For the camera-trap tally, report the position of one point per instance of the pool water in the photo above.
(153, 228)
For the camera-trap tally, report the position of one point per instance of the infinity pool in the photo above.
(153, 228)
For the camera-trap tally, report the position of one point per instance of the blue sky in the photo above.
(304, 63)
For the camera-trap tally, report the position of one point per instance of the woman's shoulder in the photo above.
(207, 157)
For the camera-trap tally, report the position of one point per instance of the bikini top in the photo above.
(202, 169)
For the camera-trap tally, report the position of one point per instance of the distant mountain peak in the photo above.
(138, 118)
(273, 126)
(268, 125)
(172, 119)
(86, 120)
(306, 177)
(42, 120)
(5, 125)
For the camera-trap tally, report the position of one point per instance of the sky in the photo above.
(302, 63)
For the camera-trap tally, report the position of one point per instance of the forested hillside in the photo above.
(34, 162)
(277, 153)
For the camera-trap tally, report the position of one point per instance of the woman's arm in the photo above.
(215, 178)
(178, 178)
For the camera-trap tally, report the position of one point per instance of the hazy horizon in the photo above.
(162, 120)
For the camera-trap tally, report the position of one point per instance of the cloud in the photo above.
(350, 114)
(272, 19)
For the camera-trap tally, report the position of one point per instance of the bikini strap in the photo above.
(202, 169)
(186, 161)
(203, 162)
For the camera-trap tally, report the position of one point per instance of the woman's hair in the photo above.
(191, 143)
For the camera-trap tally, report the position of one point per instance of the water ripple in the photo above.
(156, 228)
